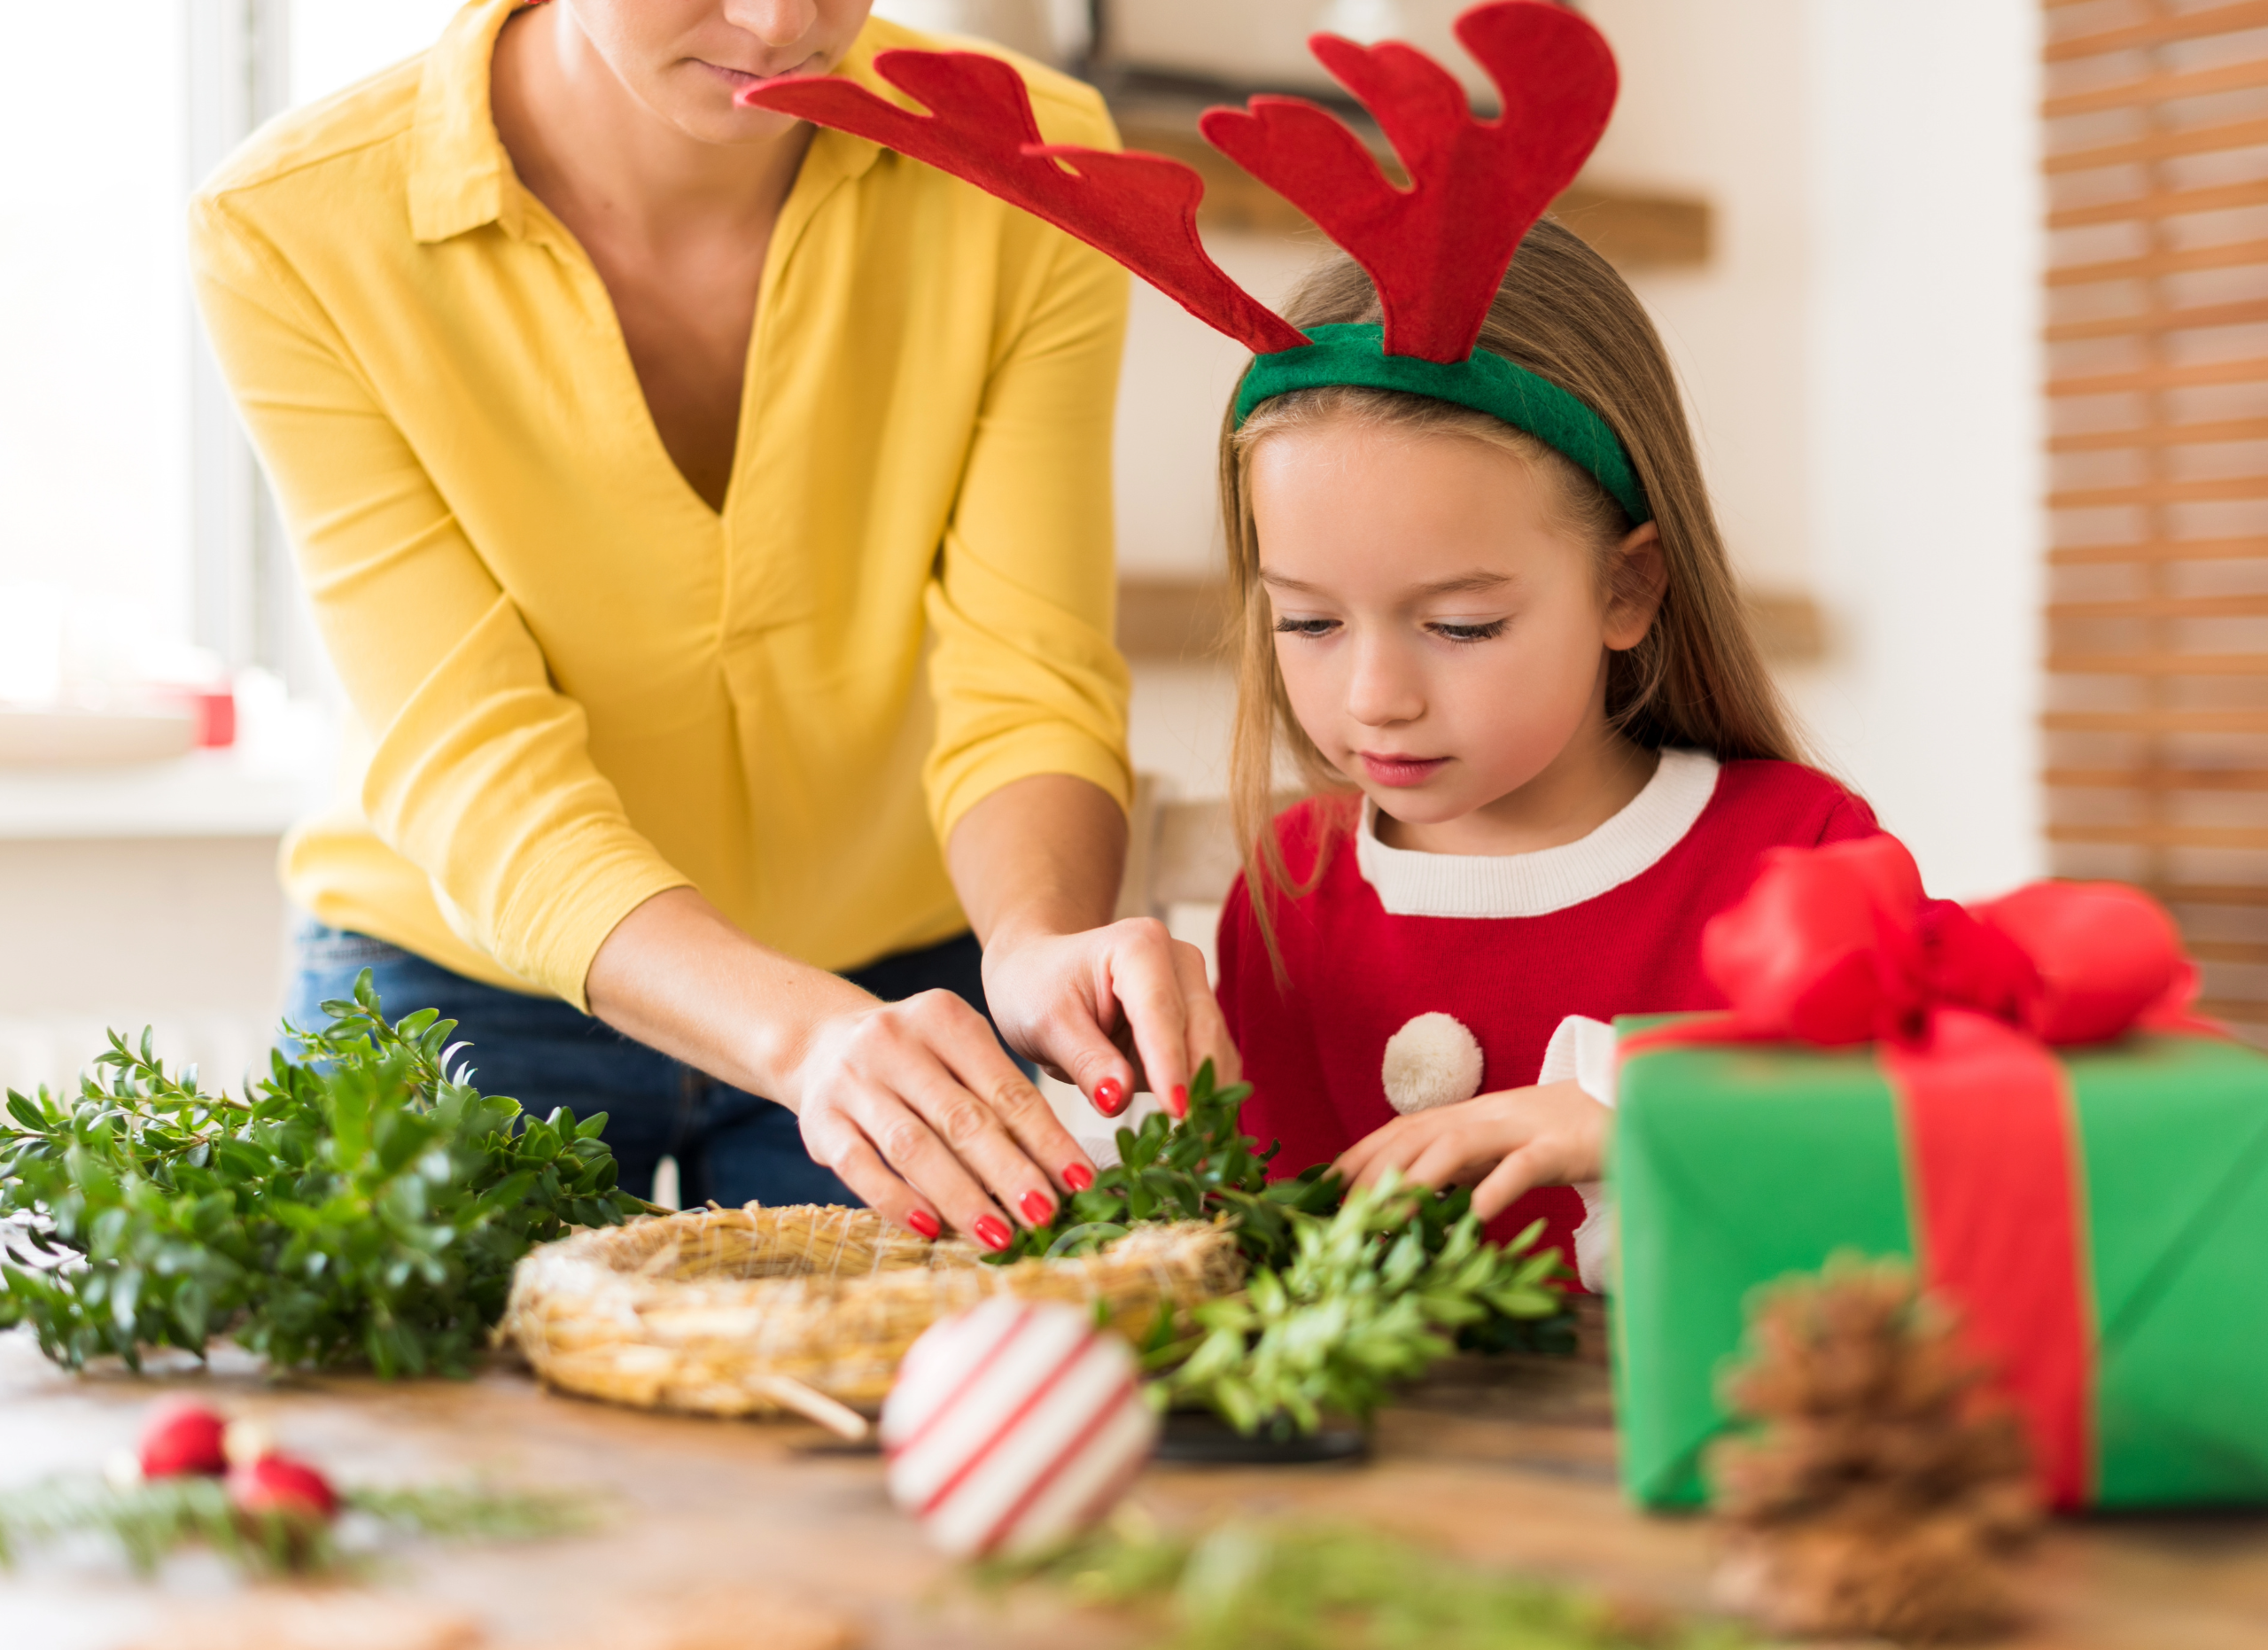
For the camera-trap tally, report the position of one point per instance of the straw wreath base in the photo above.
(744, 1311)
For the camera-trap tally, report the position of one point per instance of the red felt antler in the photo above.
(1140, 209)
(1437, 250)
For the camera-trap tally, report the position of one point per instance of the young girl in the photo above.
(1485, 604)
(1544, 748)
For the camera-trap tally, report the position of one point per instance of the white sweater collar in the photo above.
(1413, 884)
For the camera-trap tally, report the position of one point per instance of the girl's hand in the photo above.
(1503, 1145)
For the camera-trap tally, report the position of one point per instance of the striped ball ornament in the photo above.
(1012, 1426)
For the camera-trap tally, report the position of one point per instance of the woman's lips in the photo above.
(743, 82)
(1402, 771)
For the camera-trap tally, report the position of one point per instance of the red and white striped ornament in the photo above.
(1015, 1425)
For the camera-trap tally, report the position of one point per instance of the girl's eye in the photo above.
(1306, 626)
(1494, 628)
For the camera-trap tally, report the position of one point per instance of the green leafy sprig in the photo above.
(1365, 1303)
(1201, 1168)
(148, 1521)
(361, 1203)
(1348, 1294)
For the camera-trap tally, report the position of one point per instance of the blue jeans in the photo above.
(730, 1144)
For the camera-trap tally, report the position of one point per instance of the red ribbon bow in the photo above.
(1838, 945)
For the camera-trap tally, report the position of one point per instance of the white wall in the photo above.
(1861, 358)
(1927, 526)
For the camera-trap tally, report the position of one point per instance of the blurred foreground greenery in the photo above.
(1248, 1586)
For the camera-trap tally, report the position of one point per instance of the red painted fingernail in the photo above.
(1036, 1207)
(1177, 1101)
(925, 1223)
(991, 1233)
(1078, 1177)
(1110, 1099)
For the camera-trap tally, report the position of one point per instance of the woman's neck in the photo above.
(595, 154)
(1594, 777)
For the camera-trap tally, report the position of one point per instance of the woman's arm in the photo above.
(914, 1103)
(480, 772)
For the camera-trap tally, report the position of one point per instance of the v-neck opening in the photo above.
(797, 208)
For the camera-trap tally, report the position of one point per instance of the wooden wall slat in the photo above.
(2173, 203)
(2156, 721)
(2159, 89)
(2154, 550)
(2161, 30)
(2188, 261)
(2158, 321)
(2162, 435)
(2204, 375)
(2162, 835)
(2192, 140)
(2213, 489)
(2159, 664)
(2159, 778)
(2165, 607)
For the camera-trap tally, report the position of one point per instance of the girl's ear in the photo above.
(1635, 586)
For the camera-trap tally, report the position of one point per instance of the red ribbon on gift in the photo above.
(1838, 945)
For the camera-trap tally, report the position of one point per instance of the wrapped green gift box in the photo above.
(1734, 1165)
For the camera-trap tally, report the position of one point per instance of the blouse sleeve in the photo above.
(480, 774)
(1026, 677)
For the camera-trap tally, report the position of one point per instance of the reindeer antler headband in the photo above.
(1436, 251)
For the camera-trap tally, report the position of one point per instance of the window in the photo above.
(2156, 152)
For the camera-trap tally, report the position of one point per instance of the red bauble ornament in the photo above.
(277, 1483)
(182, 1437)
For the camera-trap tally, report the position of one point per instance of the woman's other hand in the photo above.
(1503, 1145)
(914, 1104)
(919, 1111)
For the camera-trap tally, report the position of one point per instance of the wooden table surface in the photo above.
(1503, 1461)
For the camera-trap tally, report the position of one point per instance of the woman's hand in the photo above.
(1503, 1145)
(1111, 1009)
(918, 1109)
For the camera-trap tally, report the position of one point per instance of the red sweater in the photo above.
(1508, 946)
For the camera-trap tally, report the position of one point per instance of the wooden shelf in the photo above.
(1185, 620)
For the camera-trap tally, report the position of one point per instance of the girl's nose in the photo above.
(1384, 689)
(774, 22)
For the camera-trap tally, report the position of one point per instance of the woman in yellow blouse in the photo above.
(708, 519)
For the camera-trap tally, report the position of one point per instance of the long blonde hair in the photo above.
(1695, 681)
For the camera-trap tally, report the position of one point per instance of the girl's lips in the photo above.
(1402, 771)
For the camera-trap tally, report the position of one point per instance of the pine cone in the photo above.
(1882, 1487)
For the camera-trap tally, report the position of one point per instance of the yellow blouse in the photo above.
(573, 684)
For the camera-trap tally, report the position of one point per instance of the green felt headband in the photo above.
(1487, 382)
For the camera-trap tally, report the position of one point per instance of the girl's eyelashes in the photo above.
(1449, 630)
(1452, 632)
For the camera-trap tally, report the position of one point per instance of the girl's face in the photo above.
(1443, 639)
(685, 59)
